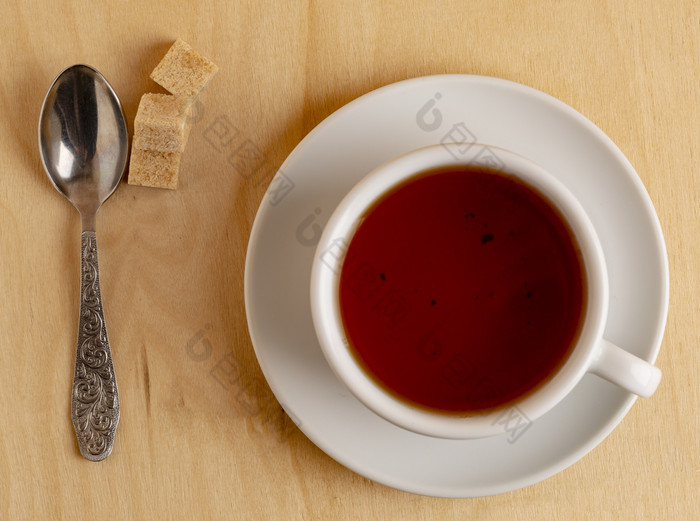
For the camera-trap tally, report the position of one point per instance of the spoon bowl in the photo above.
(83, 143)
(83, 139)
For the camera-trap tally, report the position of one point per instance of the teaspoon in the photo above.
(83, 144)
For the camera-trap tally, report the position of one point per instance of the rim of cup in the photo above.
(325, 282)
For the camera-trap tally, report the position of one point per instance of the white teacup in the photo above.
(592, 353)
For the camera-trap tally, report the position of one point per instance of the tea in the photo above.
(462, 290)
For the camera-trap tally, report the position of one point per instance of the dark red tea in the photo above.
(462, 290)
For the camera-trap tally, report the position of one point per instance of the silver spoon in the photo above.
(83, 144)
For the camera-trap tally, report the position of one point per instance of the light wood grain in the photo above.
(193, 445)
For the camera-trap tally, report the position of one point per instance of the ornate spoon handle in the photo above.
(95, 401)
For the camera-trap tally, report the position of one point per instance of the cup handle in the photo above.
(622, 368)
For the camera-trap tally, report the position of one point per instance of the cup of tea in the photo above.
(458, 282)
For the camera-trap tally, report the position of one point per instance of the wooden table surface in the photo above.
(189, 444)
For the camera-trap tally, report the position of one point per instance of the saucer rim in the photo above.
(600, 433)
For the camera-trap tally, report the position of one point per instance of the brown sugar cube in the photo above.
(160, 123)
(154, 168)
(183, 71)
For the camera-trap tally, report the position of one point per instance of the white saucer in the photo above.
(338, 153)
